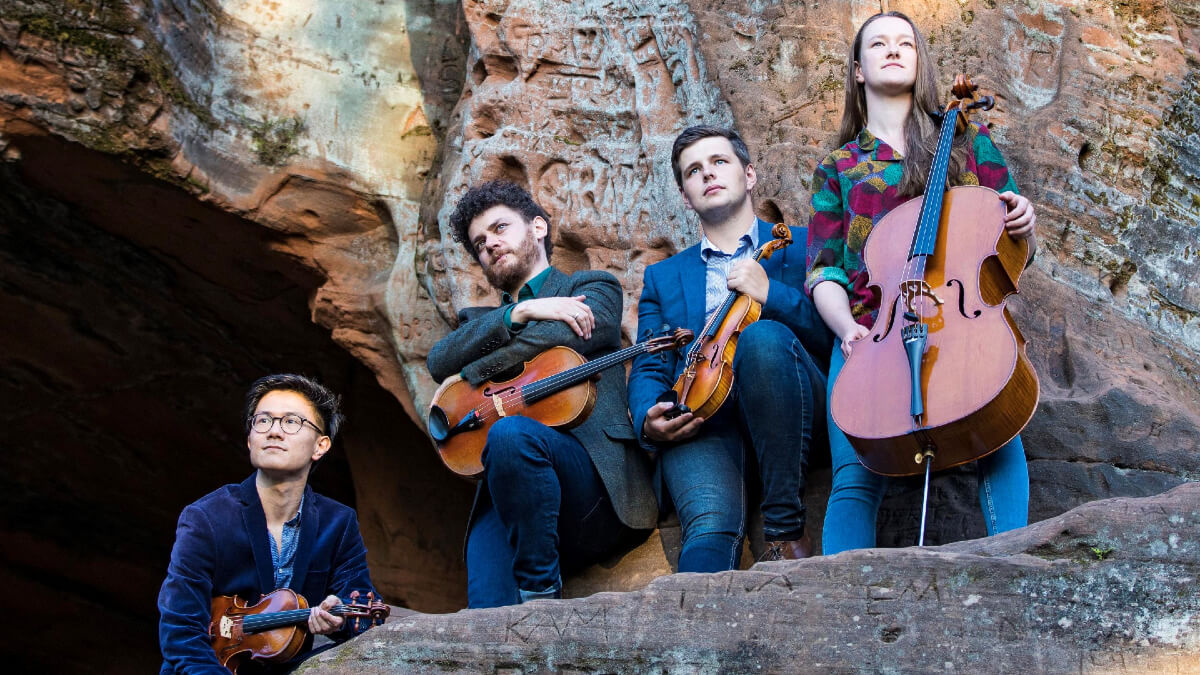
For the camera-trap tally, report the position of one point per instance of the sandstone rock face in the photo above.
(580, 104)
(1107, 587)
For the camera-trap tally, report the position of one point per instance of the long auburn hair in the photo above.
(921, 128)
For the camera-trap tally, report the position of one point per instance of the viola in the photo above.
(707, 376)
(556, 388)
(273, 630)
(942, 378)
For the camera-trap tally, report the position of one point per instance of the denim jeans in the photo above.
(778, 397)
(543, 505)
(856, 493)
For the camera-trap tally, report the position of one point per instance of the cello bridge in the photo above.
(913, 289)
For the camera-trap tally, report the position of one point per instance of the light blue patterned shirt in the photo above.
(284, 557)
(718, 263)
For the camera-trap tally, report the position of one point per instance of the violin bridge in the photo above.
(499, 403)
(226, 628)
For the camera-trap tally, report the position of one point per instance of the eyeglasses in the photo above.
(291, 423)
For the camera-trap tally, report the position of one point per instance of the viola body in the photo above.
(234, 646)
(566, 409)
(978, 385)
(705, 383)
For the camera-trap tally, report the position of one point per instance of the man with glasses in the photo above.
(271, 531)
(549, 499)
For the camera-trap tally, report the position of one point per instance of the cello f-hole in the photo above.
(891, 319)
(962, 300)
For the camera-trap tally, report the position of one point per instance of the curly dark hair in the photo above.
(495, 193)
(692, 134)
(325, 402)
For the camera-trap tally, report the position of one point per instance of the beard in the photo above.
(514, 269)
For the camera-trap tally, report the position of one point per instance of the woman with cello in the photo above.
(887, 137)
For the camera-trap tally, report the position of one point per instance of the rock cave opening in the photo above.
(137, 317)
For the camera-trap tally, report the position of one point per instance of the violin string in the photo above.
(926, 234)
(517, 394)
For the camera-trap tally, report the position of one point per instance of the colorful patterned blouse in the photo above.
(854, 188)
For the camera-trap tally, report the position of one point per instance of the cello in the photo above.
(942, 378)
(707, 376)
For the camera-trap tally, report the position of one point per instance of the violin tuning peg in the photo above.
(353, 596)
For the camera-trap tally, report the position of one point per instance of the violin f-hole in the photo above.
(962, 300)
(487, 391)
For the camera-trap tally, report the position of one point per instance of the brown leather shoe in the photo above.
(787, 550)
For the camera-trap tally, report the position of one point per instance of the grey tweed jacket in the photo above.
(482, 347)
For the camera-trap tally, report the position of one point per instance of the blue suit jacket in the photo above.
(673, 295)
(222, 548)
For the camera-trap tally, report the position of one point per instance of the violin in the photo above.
(274, 629)
(556, 388)
(942, 378)
(707, 376)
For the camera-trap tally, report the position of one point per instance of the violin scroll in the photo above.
(377, 611)
(676, 340)
(783, 238)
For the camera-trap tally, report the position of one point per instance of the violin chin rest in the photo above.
(439, 425)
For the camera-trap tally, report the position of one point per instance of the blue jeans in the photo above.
(778, 397)
(542, 503)
(856, 493)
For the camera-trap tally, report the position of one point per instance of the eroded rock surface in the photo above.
(1108, 587)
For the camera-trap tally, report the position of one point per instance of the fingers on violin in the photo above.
(658, 410)
(321, 622)
(690, 428)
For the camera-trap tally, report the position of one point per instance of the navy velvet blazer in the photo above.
(222, 548)
(681, 277)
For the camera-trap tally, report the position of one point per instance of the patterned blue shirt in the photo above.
(718, 263)
(284, 557)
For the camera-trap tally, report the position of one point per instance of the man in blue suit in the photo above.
(777, 406)
(269, 532)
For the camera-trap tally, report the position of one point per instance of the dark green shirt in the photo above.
(527, 292)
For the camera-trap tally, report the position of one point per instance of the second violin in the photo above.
(707, 376)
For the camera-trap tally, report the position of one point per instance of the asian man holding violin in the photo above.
(775, 405)
(269, 532)
(548, 499)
